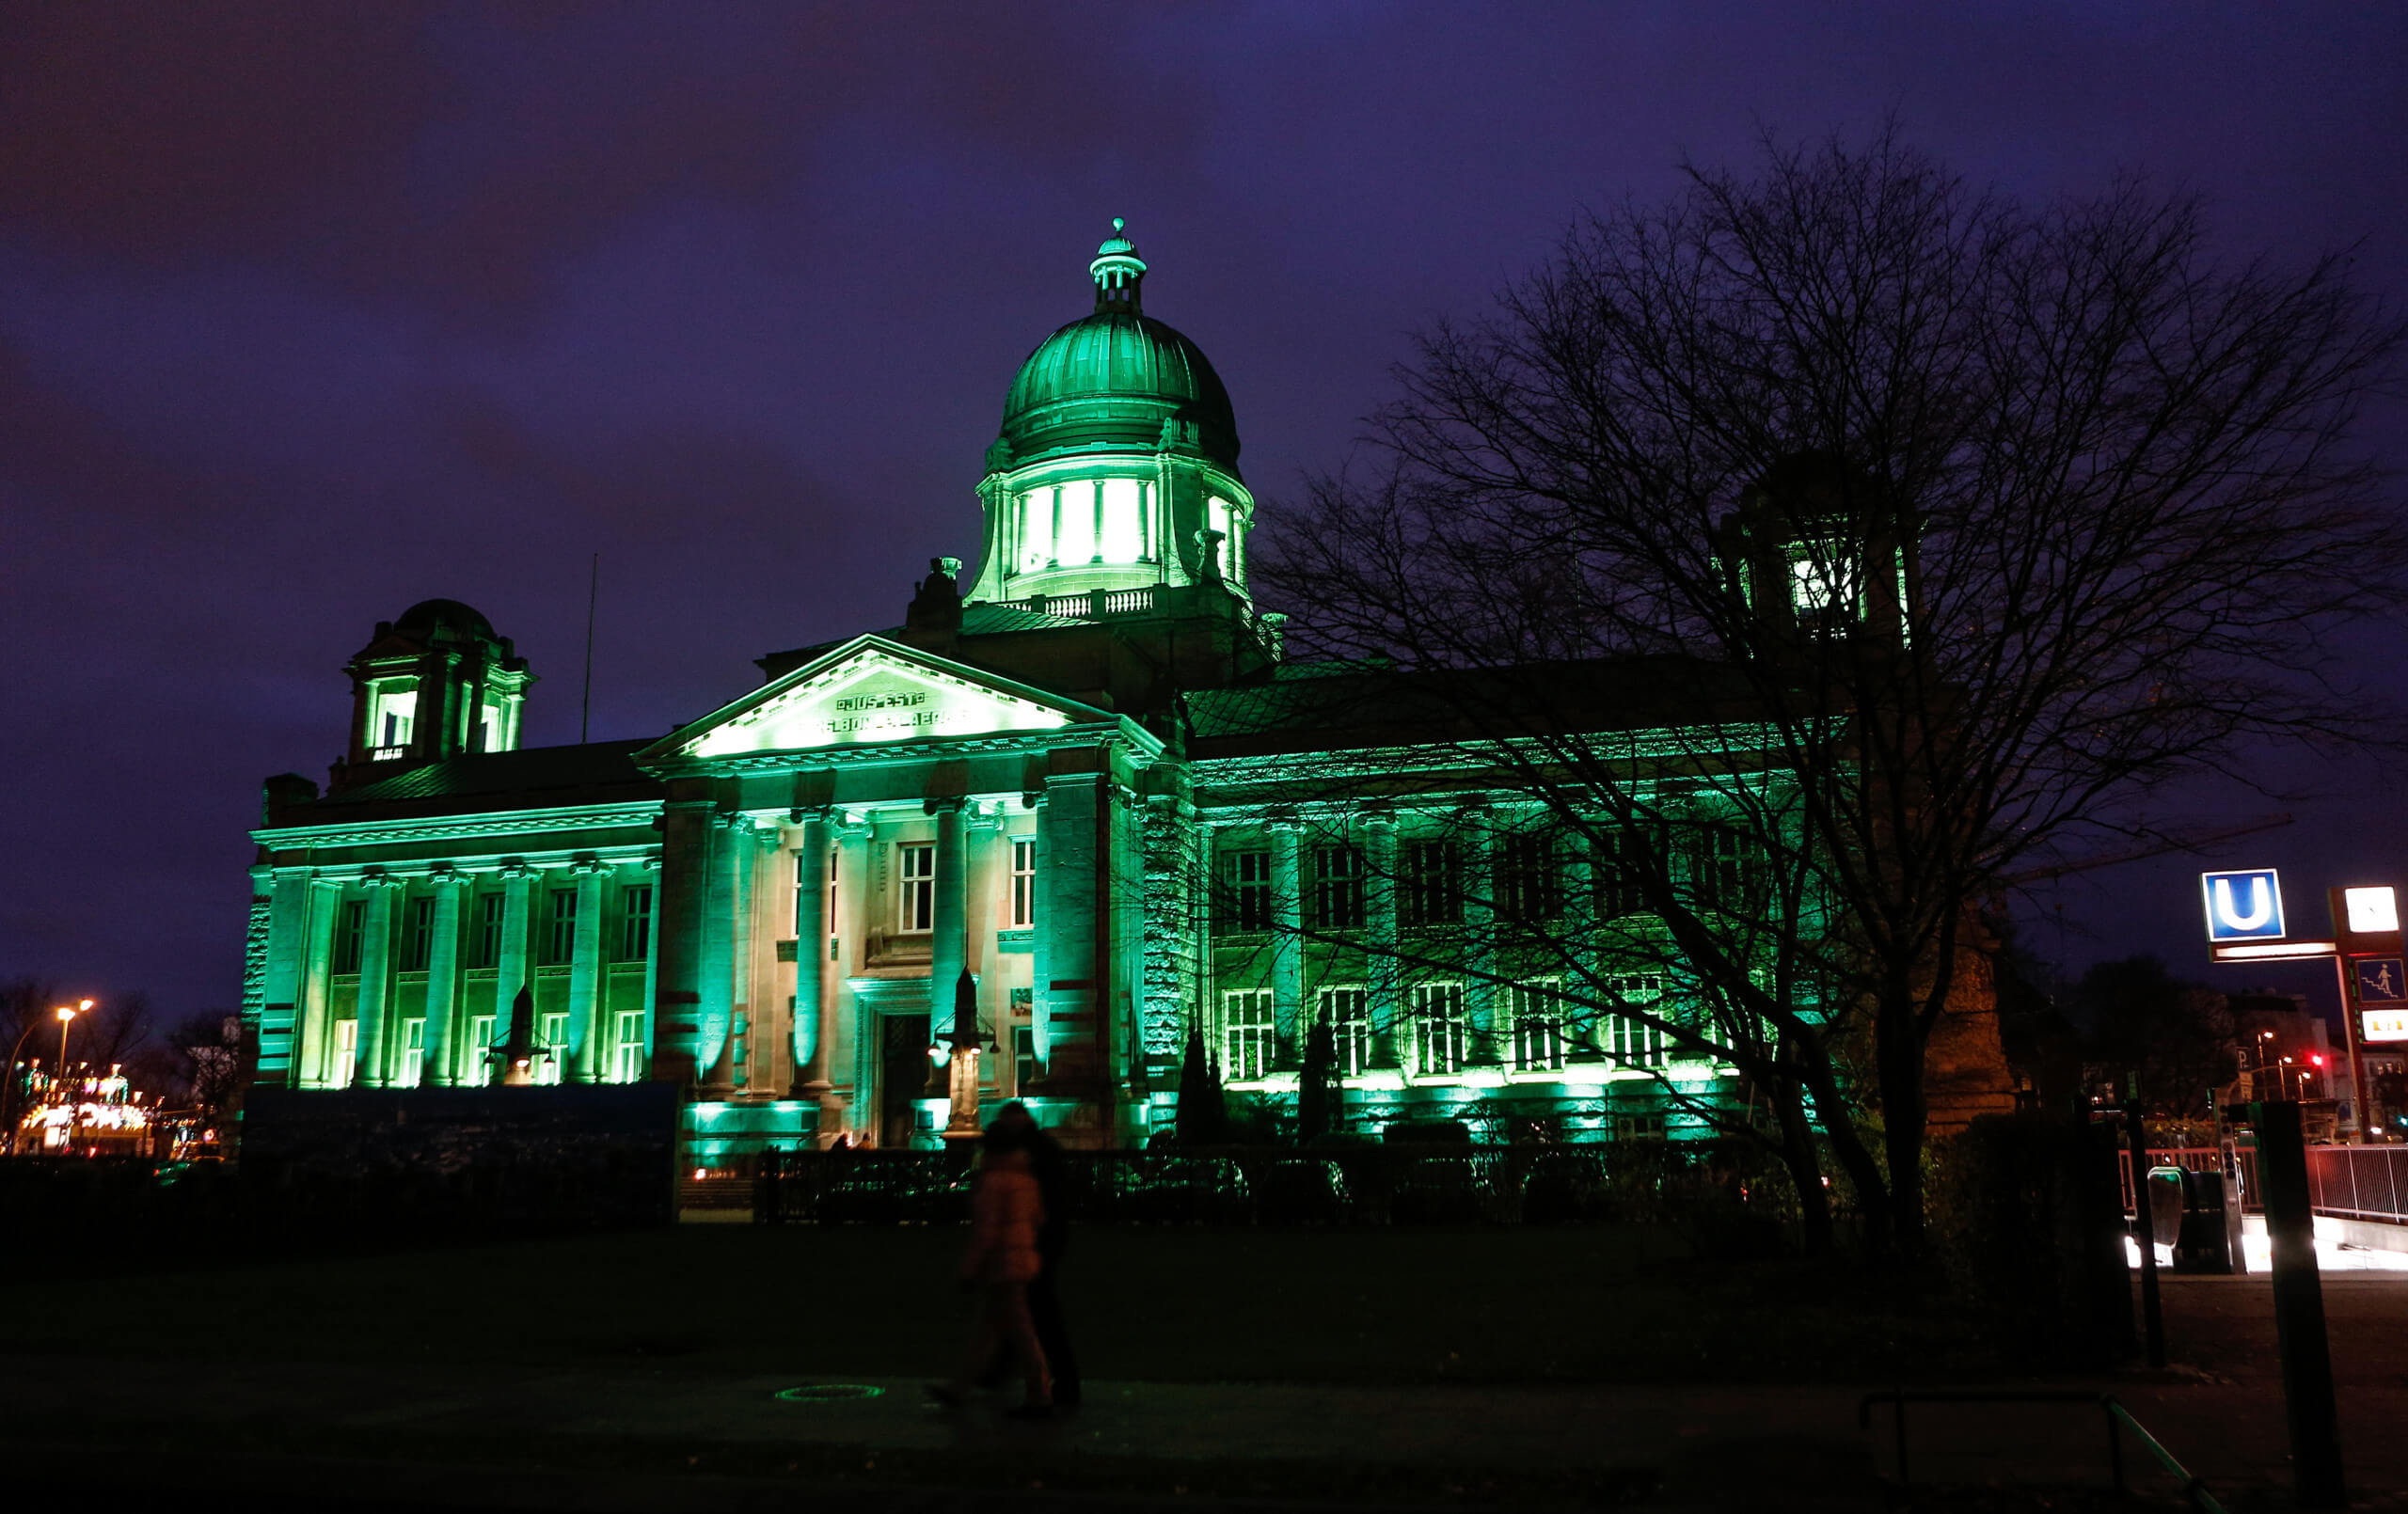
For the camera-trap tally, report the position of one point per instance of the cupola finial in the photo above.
(1116, 271)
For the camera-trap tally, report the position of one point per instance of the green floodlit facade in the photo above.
(1088, 780)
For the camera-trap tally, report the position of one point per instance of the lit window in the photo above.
(1251, 1033)
(1036, 529)
(1350, 1020)
(1437, 1028)
(551, 1035)
(347, 1061)
(392, 714)
(1024, 882)
(1124, 521)
(1218, 517)
(628, 1052)
(916, 887)
(476, 1062)
(1538, 1029)
(1629, 1041)
(1074, 540)
(413, 1053)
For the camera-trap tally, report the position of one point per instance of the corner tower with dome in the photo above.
(1067, 821)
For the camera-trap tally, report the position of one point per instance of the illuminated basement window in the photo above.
(475, 1066)
(627, 1048)
(1437, 1028)
(551, 1033)
(1250, 1033)
(1350, 1020)
(347, 1061)
(1639, 1127)
(413, 1053)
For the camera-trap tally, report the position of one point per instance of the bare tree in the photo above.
(1961, 522)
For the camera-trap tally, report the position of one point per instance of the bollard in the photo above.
(2299, 1305)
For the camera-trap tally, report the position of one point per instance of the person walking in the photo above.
(1048, 1166)
(1007, 1214)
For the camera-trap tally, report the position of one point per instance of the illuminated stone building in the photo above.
(1085, 781)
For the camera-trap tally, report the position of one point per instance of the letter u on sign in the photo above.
(2244, 906)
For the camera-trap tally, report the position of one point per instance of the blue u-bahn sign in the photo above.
(2244, 906)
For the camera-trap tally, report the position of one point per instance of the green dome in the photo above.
(1110, 381)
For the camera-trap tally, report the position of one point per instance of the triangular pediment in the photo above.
(871, 692)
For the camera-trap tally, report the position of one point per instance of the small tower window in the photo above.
(1219, 517)
(1124, 535)
(392, 714)
(1074, 541)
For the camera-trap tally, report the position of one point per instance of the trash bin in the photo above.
(2198, 1214)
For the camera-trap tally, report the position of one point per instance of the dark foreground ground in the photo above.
(1503, 1368)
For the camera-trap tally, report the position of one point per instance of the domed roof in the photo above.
(430, 615)
(1111, 380)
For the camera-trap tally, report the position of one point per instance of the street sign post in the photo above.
(2245, 923)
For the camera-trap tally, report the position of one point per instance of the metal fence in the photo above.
(1631, 1182)
(2359, 1182)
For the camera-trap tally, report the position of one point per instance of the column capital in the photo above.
(953, 805)
(516, 869)
(802, 815)
(589, 866)
(1283, 820)
(444, 873)
(651, 862)
(1033, 799)
(320, 880)
(378, 878)
(1378, 812)
(986, 816)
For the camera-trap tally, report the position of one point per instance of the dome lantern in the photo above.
(1118, 271)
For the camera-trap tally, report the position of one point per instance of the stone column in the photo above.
(375, 976)
(317, 1006)
(1384, 985)
(1073, 861)
(946, 948)
(853, 841)
(442, 975)
(511, 974)
(712, 1066)
(1287, 939)
(811, 960)
(678, 904)
(288, 949)
(585, 1055)
(1479, 940)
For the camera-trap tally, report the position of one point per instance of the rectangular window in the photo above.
(1036, 529)
(551, 1041)
(1727, 870)
(1124, 532)
(349, 926)
(475, 1058)
(1642, 1127)
(1529, 882)
(1249, 896)
(492, 908)
(1350, 1021)
(1437, 1028)
(915, 887)
(635, 922)
(417, 935)
(1631, 1042)
(1024, 883)
(627, 1046)
(346, 1059)
(560, 938)
(1616, 874)
(1250, 1034)
(1219, 517)
(1023, 1056)
(1537, 1027)
(413, 1068)
(1074, 524)
(1433, 884)
(1338, 889)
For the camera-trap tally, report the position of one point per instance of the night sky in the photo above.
(309, 311)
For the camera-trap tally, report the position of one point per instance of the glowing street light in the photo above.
(66, 1018)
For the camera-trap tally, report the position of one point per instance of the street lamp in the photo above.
(66, 1018)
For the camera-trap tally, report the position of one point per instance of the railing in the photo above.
(2118, 1418)
(1635, 1182)
(2197, 1159)
(387, 755)
(2359, 1182)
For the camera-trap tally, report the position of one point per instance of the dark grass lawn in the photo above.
(1165, 1304)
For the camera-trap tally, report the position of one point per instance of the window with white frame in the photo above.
(1249, 1033)
(1537, 1018)
(346, 1059)
(1350, 1021)
(1023, 881)
(552, 1035)
(1632, 1043)
(1433, 893)
(1438, 1029)
(627, 1048)
(413, 1066)
(476, 1062)
(1338, 889)
(1249, 894)
(915, 887)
